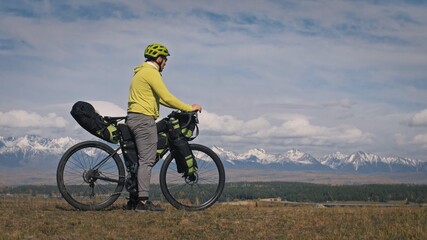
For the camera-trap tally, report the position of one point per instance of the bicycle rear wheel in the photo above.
(198, 193)
(90, 176)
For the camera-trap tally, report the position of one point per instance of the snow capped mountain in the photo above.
(259, 158)
(402, 161)
(254, 155)
(334, 160)
(300, 157)
(361, 158)
(366, 162)
(258, 155)
(36, 151)
(35, 144)
(295, 159)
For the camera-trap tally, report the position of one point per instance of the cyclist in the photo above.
(146, 92)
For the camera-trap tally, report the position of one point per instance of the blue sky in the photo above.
(320, 76)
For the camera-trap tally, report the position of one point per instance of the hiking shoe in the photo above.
(132, 202)
(148, 206)
(130, 205)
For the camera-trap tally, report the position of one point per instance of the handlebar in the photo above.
(192, 117)
(189, 115)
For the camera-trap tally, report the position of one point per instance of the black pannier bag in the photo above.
(184, 158)
(85, 114)
(180, 149)
(162, 143)
(130, 155)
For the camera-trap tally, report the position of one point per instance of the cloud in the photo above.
(24, 119)
(105, 108)
(421, 138)
(68, 11)
(12, 44)
(345, 103)
(419, 119)
(297, 130)
(400, 139)
(308, 60)
(229, 125)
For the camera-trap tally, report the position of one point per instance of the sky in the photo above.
(318, 76)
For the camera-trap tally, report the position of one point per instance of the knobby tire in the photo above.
(200, 194)
(73, 176)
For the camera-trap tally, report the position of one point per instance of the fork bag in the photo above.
(180, 149)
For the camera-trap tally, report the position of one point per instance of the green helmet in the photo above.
(154, 50)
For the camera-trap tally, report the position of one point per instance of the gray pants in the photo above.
(145, 131)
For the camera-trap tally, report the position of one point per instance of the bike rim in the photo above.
(81, 180)
(198, 193)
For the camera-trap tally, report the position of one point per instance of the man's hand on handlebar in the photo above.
(197, 107)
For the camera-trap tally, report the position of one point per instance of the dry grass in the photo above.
(32, 218)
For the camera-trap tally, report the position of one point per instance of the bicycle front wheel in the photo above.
(90, 176)
(196, 193)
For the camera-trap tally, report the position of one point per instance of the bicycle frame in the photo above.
(102, 162)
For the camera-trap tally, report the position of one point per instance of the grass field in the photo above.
(35, 218)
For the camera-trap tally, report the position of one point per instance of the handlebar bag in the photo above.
(187, 131)
(85, 114)
(186, 122)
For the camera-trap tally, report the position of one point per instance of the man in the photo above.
(146, 92)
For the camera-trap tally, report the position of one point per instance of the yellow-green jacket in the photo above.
(147, 90)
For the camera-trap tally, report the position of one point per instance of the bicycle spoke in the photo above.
(193, 192)
(87, 188)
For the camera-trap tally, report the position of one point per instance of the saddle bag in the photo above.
(85, 114)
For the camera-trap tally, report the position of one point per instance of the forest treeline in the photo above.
(310, 192)
(289, 191)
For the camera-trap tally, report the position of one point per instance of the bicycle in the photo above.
(91, 174)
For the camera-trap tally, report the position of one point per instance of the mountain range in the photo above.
(294, 160)
(33, 151)
(39, 152)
